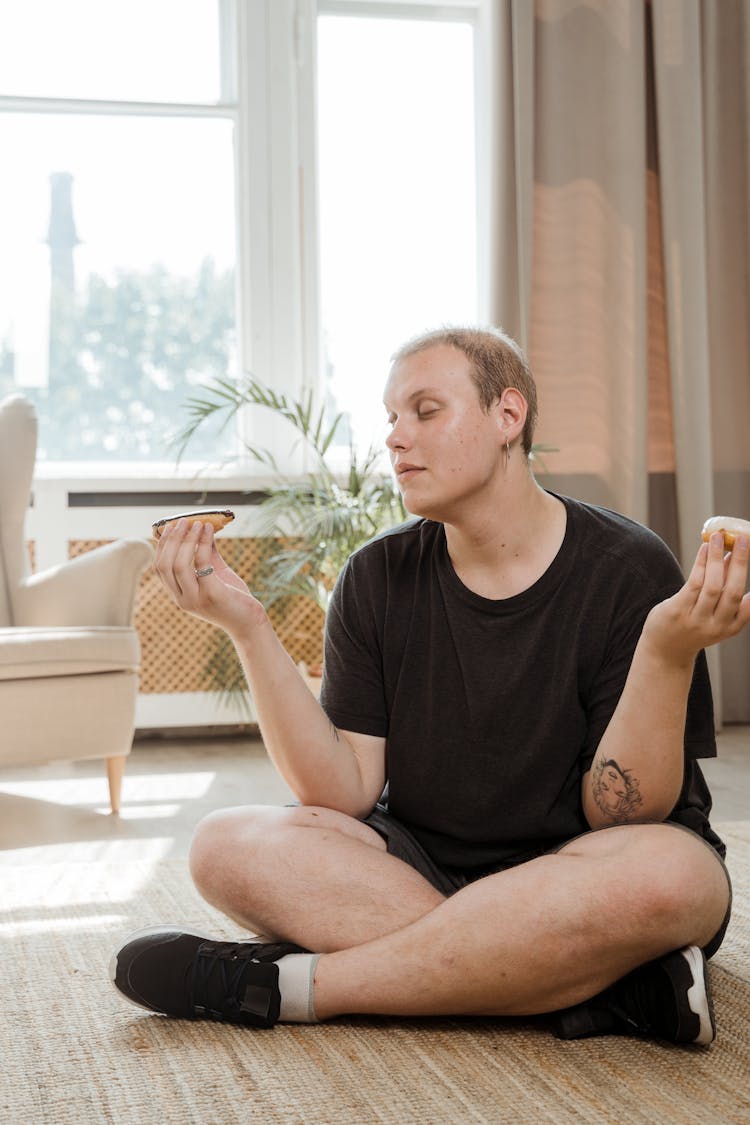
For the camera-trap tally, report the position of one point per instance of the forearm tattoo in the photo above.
(615, 790)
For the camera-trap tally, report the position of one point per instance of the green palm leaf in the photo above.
(322, 518)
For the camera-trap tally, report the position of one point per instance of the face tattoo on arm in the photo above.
(615, 791)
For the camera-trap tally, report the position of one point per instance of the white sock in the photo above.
(296, 976)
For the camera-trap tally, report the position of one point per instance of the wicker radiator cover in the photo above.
(177, 648)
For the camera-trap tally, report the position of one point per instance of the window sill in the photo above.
(152, 476)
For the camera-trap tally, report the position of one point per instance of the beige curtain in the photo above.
(621, 254)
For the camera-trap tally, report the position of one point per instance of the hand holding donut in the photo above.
(730, 527)
(198, 579)
(713, 604)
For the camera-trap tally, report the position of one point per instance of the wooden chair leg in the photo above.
(115, 771)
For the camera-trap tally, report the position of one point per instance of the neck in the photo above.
(503, 549)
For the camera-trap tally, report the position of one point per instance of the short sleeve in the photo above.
(352, 692)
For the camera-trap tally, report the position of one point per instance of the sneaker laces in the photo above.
(217, 976)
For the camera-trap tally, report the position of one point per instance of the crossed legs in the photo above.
(539, 937)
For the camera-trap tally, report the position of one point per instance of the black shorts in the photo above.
(405, 846)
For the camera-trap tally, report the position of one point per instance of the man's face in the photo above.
(614, 789)
(445, 449)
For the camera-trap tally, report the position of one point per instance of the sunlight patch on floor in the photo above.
(62, 883)
(93, 790)
(70, 853)
(143, 812)
(61, 925)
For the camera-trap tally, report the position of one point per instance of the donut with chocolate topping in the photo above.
(219, 517)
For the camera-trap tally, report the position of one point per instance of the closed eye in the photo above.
(422, 414)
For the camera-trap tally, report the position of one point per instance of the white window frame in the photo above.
(271, 100)
(268, 90)
(279, 317)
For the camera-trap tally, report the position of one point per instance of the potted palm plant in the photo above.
(311, 524)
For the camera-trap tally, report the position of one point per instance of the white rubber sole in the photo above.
(698, 998)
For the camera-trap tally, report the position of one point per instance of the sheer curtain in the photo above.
(621, 252)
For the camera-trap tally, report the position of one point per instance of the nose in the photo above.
(397, 438)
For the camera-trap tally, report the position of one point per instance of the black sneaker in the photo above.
(179, 973)
(669, 998)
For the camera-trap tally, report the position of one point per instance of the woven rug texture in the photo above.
(72, 1052)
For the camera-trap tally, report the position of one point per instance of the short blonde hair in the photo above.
(497, 362)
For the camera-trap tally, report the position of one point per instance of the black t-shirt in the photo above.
(493, 709)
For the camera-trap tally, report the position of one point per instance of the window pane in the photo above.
(116, 277)
(142, 50)
(397, 195)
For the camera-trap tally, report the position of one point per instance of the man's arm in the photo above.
(322, 765)
(638, 768)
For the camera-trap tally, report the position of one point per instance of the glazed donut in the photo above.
(731, 526)
(219, 517)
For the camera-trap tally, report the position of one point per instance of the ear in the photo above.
(511, 410)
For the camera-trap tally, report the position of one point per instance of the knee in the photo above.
(261, 837)
(250, 836)
(687, 888)
(218, 837)
(656, 882)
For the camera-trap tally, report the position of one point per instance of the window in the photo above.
(194, 188)
(116, 219)
(397, 157)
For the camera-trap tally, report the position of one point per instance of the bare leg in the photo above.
(537, 938)
(309, 875)
(540, 937)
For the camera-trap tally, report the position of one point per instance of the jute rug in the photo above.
(71, 1051)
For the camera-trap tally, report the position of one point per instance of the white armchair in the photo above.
(69, 653)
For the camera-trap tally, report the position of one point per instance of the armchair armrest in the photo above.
(97, 588)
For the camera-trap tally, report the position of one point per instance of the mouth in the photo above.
(405, 472)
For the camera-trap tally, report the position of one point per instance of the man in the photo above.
(525, 673)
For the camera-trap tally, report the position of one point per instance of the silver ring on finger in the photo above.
(204, 572)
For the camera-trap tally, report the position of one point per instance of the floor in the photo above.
(60, 812)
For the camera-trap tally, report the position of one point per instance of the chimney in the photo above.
(62, 238)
